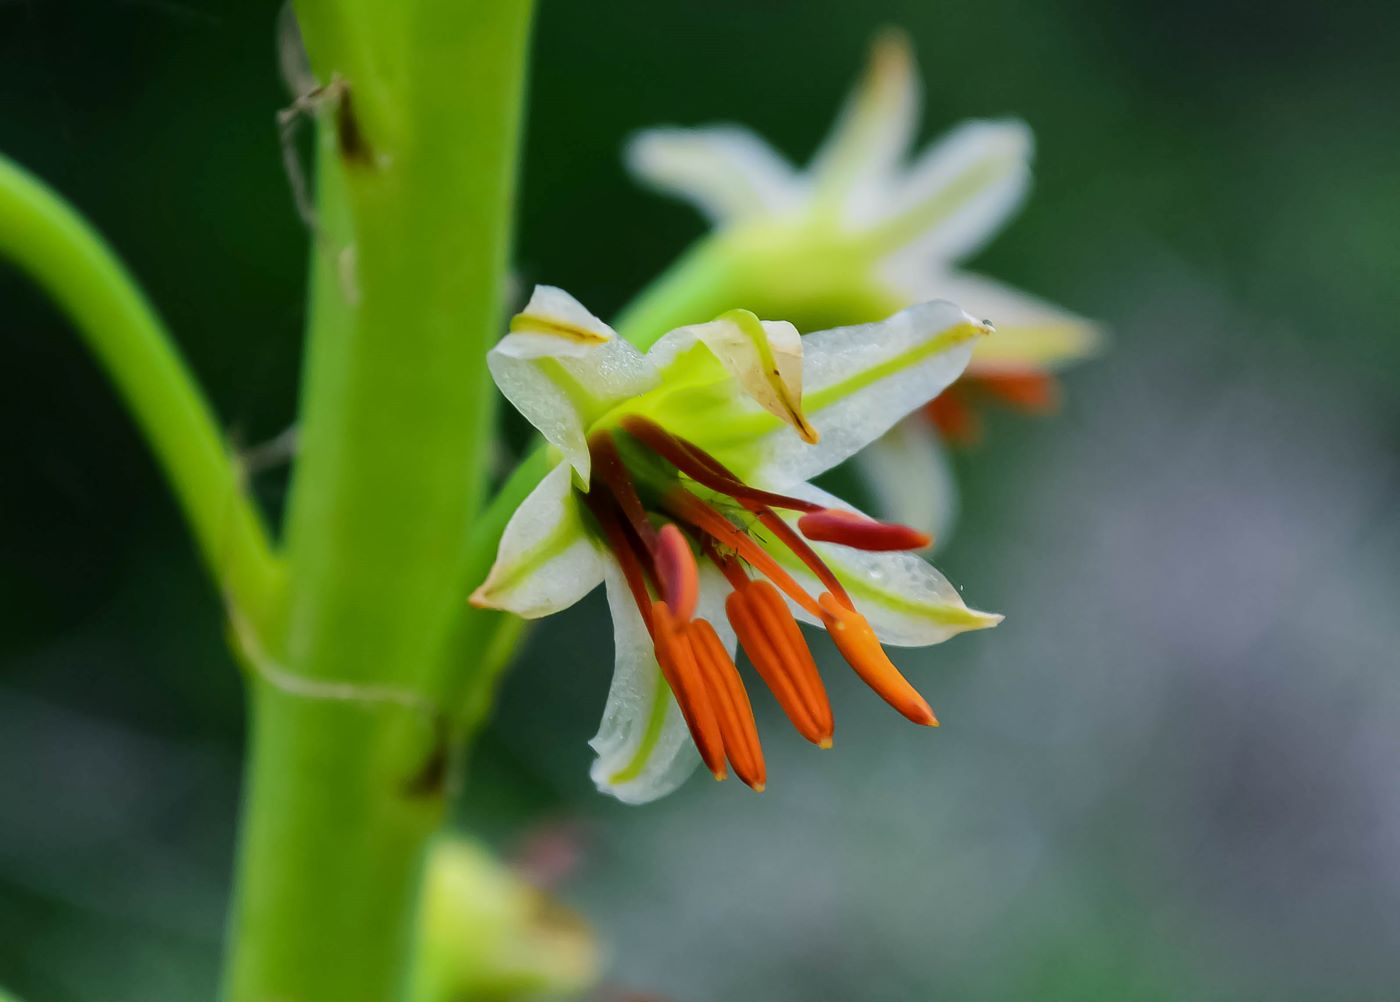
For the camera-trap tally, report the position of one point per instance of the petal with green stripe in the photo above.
(546, 561)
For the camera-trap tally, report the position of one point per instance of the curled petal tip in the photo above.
(720, 775)
(824, 743)
(759, 787)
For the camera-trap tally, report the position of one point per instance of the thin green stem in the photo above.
(65, 257)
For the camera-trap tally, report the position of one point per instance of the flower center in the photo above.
(662, 505)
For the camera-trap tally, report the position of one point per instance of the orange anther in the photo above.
(954, 416)
(677, 659)
(731, 702)
(773, 641)
(859, 646)
(1029, 392)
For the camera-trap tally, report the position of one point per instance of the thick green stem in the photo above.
(60, 252)
(352, 719)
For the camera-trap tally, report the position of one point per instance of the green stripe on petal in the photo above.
(859, 381)
(546, 561)
(643, 747)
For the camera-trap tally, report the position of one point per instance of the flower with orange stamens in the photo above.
(681, 484)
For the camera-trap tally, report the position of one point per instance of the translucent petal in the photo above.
(562, 367)
(643, 747)
(906, 600)
(546, 561)
(764, 357)
(727, 172)
(909, 477)
(858, 381)
(873, 131)
(956, 196)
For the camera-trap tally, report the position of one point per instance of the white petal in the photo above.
(906, 600)
(961, 191)
(562, 367)
(858, 381)
(873, 131)
(1031, 333)
(546, 561)
(727, 172)
(644, 750)
(763, 356)
(909, 477)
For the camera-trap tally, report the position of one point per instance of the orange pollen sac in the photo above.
(676, 657)
(1030, 392)
(675, 566)
(773, 641)
(731, 702)
(954, 416)
(711, 696)
(833, 525)
(858, 645)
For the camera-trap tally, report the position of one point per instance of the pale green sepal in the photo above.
(907, 601)
(546, 561)
(562, 367)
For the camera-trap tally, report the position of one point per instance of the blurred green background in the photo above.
(1171, 774)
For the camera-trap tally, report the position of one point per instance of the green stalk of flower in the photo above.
(417, 147)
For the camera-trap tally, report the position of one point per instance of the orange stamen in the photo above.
(687, 506)
(835, 525)
(1029, 392)
(859, 646)
(789, 538)
(731, 702)
(773, 641)
(954, 416)
(675, 567)
(676, 656)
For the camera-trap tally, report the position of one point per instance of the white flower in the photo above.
(681, 485)
(866, 230)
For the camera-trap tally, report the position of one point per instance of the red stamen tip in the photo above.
(834, 525)
(680, 578)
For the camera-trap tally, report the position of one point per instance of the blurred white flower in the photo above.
(866, 230)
